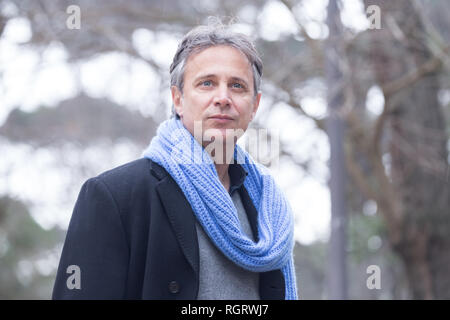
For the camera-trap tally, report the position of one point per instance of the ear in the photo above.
(177, 99)
(255, 105)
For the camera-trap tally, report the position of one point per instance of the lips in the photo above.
(221, 117)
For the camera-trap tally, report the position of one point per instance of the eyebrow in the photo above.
(214, 76)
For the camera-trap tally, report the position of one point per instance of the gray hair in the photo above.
(205, 36)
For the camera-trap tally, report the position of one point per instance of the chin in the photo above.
(219, 134)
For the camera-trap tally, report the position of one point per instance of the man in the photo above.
(190, 220)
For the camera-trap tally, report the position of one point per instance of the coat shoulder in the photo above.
(133, 171)
(130, 170)
(128, 180)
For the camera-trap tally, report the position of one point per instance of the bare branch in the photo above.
(409, 79)
(397, 85)
(436, 43)
(123, 45)
(319, 122)
(314, 44)
(358, 177)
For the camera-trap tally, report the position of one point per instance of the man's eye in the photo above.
(237, 85)
(207, 83)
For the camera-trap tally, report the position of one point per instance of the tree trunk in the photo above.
(418, 163)
(337, 271)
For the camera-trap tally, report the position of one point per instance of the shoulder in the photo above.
(129, 184)
(136, 169)
(130, 170)
(128, 179)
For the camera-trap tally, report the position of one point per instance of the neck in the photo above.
(222, 172)
(222, 163)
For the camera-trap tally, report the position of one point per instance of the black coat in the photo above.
(132, 234)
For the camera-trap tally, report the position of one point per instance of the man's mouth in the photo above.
(222, 118)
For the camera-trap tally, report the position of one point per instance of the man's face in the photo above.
(218, 92)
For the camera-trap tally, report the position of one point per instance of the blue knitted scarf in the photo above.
(192, 168)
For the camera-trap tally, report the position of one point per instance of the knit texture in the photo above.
(175, 149)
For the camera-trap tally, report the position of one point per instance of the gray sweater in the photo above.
(221, 278)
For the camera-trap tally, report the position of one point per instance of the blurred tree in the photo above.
(400, 157)
(415, 194)
(337, 268)
(81, 120)
(27, 253)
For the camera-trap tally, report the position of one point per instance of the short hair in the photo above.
(206, 36)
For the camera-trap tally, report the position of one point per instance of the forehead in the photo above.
(219, 60)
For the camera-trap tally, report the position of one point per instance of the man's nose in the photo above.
(222, 98)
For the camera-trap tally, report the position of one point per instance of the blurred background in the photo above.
(357, 92)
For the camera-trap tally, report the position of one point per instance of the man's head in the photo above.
(215, 79)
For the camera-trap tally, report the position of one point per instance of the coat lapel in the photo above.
(180, 215)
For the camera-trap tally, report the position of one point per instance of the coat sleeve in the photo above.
(94, 259)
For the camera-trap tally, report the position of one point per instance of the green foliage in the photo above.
(27, 253)
(361, 230)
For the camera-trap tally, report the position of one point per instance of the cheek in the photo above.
(198, 103)
(244, 107)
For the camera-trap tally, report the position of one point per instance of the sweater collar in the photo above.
(237, 176)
